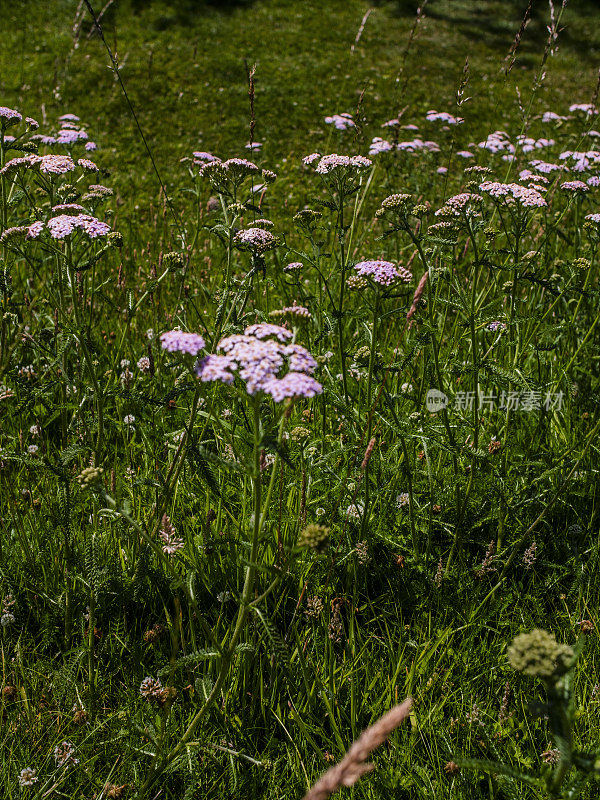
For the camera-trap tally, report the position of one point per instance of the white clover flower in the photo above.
(129, 419)
(32, 449)
(402, 500)
(27, 777)
(65, 754)
(355, 510)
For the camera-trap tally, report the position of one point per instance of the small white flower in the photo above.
(320, 512)
(7, 619)
(65, 754)
(355, 511)
(32, 449)
(125, 363)
(35, 430)
(150, 334)
(27, 777)
(129, 419)
(402, 500)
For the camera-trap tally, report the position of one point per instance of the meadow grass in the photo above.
(208, 590)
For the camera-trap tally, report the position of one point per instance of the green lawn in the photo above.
(420, 608)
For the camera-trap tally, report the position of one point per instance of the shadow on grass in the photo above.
(498, 22)
(182, 11)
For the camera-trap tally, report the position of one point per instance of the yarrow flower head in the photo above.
(496, 326)
(333, 162)
(64, 225)
(403, 500)
(575, 186)
(8, 116)
(70, 135)
(65, 754)
(586, 108)
(525, 196)
(258, 357)
(342, 121)
(55, 165)
(262, 330)
(397, 202)
(383, 273)
(27, 777)
(258, 240)
(340, 165)
(465, 203)
(177, 341)
(538, 654)
(293, 313)
(88, 165)
(443, 116)
(379, 145)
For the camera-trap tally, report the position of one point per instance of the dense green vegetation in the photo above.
(290, 569)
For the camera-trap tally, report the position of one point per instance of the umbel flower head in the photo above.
(8, 116)
(334, 163)
(89, 477)
(383, 273)
(265, 361)
(539, 655)
(315, 537)
(258, 240)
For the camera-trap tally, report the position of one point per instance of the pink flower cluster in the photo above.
(443, 116)
(545, 167)
(257, 239)
(8, 116)
(258, 357)
(416, 145)
(382, 272)
(342, 121)
(575, 186)
(586, 108)
(62, 226)
(334, 162)
(460, 204)
(50, 164)
(177, 341)
(552, 116)
(379, 145)
(582, 159)
(497, 142)
(526, 196)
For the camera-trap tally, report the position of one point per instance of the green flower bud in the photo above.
(173, 261)
(538, 654)
(90, 477)
(314, 537)
(299, 434)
